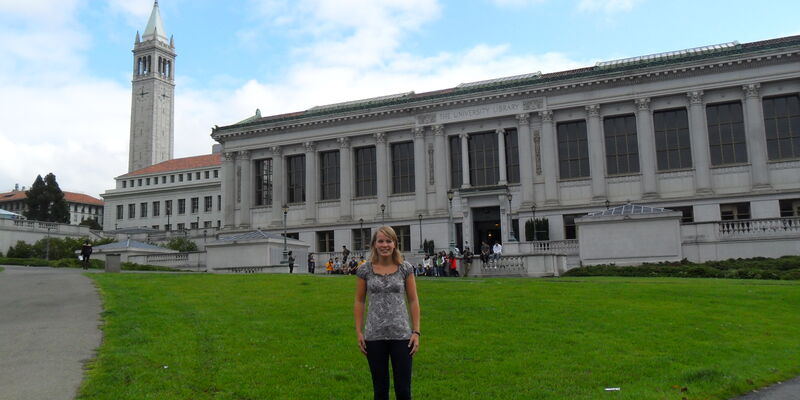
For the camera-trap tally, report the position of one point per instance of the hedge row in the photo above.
(786, 268)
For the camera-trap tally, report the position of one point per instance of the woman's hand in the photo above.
(413, 344)
(362, 345)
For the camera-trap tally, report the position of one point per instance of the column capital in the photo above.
(276, 150)
(380, 137)
(310, 147)
(643, 104)
(751, 90)
(695, 97)
(438, 130)
(500, 131)
(418, 132)
(593, 110)
(244, 155)
(230, 155)
(344, 142)
(463, 135)
(523, 118)
(546, 115)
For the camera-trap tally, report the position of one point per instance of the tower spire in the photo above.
(155, 26)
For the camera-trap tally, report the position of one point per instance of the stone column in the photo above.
(243, 159)
(278, 191)
(501, 156)
(345, 179)
(699, 132)
(525, 158)
(647, 148)
(228, 190)
(597, 153)
(311, 181)
(421, 194)
(441, 167)
(465, 184)
(549, 160)
(382, 171)
(756, 137)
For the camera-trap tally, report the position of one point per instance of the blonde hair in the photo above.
(397, 258)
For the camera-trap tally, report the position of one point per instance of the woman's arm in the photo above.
(358, 312)
(413, 306)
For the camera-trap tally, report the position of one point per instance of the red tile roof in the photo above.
(70, 197)
(177, 164)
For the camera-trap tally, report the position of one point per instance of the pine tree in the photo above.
(36, 201)
(59, 210)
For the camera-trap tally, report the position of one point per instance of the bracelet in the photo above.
(417, 332)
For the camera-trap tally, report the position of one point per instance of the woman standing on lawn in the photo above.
(387, 335)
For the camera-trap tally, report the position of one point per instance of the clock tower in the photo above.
(153, 104)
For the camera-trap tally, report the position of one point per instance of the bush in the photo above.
(20, 250)
(33, 262)
(181, 244)
(787, 267)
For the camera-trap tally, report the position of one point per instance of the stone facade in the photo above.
(693, 132)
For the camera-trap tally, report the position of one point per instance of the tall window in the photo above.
(403, 237)
(181, 206)
(782, 123)
(168, 207)
(734, 211)
(120, 211)
(403, 167)
(673, 144)
(207, 204)
(726, 140)
(195, 205)
(263, 182)
(570, 229)
(573, 150)
(361, 238)
(455, 162)
(296, 178)
(219, 202)
(789, 207)
(366, 176)
(131, 211)
(143, 210)
(512, 156)
(325, 241)
(329, 175)
(156, 208)
(484, 162)
(622, 148)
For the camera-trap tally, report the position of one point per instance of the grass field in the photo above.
(292, 337)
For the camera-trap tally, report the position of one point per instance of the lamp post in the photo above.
(511, 234)
(361, 234)
(421, 248)
(285, 250)
(533, 220)
(169, 212)
(450, 238)
(608, 204)
(198, 223)
(383, 214)
(47, 252)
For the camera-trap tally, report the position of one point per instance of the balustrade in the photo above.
(755, 228)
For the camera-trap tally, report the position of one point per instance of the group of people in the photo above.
(492, 253)
(443, 264)
(345, 266)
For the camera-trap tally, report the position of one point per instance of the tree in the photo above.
(181, 244)
(45, 201)
(92, 224)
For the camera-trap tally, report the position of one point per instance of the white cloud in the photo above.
(607, 6)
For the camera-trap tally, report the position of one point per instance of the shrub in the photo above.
(33, 262)
(20, 250)
(181, 244)
(787, 267)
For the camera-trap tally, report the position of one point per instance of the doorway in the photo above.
(486, 226)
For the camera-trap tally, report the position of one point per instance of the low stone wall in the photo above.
(192, 261)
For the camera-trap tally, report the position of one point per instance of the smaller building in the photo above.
(81, 206)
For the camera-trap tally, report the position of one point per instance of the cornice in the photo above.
(629, 75)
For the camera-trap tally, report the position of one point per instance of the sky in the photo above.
(65, 75)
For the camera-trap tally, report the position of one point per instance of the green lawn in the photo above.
(292, 337)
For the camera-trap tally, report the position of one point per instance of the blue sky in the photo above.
(65, 79)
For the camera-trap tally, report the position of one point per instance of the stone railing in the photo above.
(759, 228)
(194, 261)
(505, 265)
(566, 247)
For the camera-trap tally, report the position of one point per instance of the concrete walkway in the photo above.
(49, 326)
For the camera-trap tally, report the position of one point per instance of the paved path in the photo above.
(49, 326)
(789, 390)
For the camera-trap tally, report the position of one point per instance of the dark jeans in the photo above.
(378, 354)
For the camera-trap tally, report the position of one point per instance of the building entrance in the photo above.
(486, 226)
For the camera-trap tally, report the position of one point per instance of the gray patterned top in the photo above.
(387, 312)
